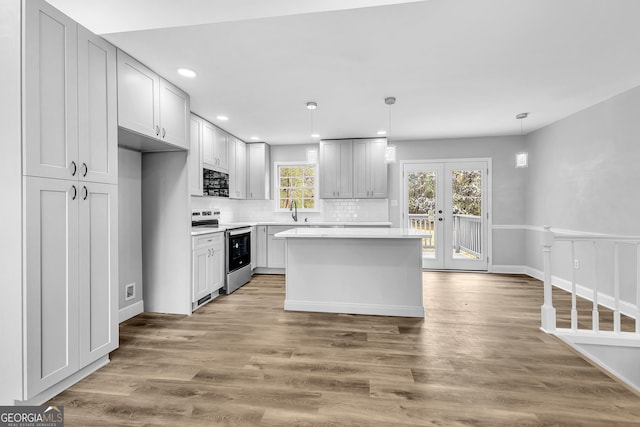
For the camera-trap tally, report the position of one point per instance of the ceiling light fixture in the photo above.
(312, 153)
(255, 138)
(223, 118)
(522, 159)
(382, 132)
(186, 72)
(390, 150)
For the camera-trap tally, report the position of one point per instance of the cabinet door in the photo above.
(361, 179)
(335, 169)
(217, 266)
(201, 268)
(254, 247)
(98, 270)
(51, 282)
(275, 252)
(138, 97)
(97, 109)
(261, 246)
(221, 149)
(377, 169)
(208, 137)
(174, 115)
(259, 181)
(50, 92)
(237, 169)
(195, 156)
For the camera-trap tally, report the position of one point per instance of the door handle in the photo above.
(164, 132)
(439, 219)
(86, 192)
(440, 211)
(86, 169)
(157, 130)
(75, 192)
(75, 168)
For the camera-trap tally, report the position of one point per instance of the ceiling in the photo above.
(458, 68)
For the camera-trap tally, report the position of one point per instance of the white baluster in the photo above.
(638, 289)
(574, 310)
(595, 314)
(616, 287)
(548, 311)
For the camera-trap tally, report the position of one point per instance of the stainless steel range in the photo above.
(237, 246)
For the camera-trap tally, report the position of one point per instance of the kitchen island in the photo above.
(354, 270)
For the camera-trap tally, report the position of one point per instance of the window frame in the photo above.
(276, 185)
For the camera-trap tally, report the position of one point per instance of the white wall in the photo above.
(507, 185)
(11, 212)
(583, 176)
(129, 224)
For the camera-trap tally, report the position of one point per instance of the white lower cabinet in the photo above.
(276, 247)
(261, 246)
(208, 266)
(70, 275)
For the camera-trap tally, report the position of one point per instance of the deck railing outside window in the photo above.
(467, 232)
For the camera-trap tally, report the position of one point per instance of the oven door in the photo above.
(238, 249)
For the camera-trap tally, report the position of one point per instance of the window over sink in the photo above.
(296, 181)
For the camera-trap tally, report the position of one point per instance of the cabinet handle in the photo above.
(75, 192)
(157, 130)
(86, 192)
(86, 169)
(75, 168)
(164, 132)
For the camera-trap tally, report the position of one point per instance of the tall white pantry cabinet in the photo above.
(69, 204)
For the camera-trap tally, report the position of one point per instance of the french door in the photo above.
(449, 201)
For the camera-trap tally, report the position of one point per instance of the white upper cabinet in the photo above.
(138, 97)
(97, 109)
(214, 148)
(259, 171)
(237, 168)
(150, 105)
(174, 115)
(51, 93)
(195, 155)
(221, 149)
(369, 168)
(336, 177)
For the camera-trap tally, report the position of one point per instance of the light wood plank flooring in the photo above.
(478, 358)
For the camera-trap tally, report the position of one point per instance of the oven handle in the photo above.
(239, 231)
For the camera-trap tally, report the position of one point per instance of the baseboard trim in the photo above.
(605, 300)
(131, 311)
(58, 388)
(354, 308)
(509, 269)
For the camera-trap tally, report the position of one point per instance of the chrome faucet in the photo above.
(294, 214)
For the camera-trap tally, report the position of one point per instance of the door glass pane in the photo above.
(467, 214)
(422, 204)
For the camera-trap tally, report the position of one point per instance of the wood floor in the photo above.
(478, 358)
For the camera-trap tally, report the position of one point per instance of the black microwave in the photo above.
(215, 183)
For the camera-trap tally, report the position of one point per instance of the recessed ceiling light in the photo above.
(187, 72)
(315, 135)
(312, 105)
(255, 138)
(382, 132)
(223, 118)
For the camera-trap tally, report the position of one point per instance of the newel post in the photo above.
(548, 311)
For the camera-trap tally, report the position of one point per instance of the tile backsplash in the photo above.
(341, 210)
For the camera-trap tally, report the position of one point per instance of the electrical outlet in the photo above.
(576, 264)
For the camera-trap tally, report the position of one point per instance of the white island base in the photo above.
(355, 271)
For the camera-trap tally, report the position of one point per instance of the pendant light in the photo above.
(312, 153)
(390, 150)
(522, 159)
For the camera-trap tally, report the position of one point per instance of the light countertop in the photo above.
(352, 233)
(328, 223)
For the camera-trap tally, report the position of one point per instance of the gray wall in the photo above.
(583, 176)
(129, 224)
(507, 184)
